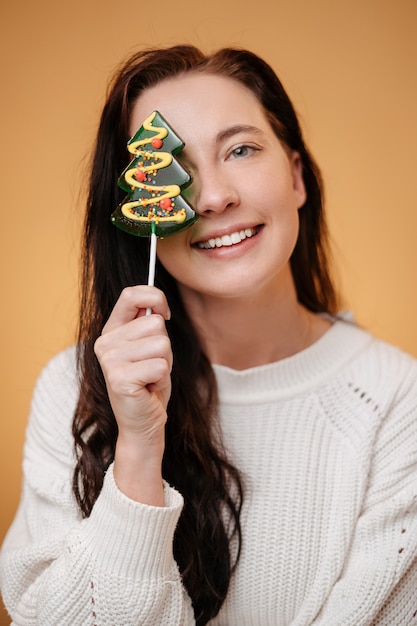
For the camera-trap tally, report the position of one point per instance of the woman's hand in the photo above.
(135, 355)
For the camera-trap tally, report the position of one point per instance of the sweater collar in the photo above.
(294, 374)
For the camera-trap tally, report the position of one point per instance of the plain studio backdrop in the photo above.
(351, 70)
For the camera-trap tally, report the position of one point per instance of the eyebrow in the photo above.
(235, 130)
(222, 135)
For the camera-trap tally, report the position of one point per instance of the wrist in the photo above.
(138, 470)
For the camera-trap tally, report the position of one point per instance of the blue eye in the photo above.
(240, 152)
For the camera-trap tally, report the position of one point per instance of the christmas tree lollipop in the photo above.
(153, 181)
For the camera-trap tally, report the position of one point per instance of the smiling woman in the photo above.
(243, 455)
(229, 145)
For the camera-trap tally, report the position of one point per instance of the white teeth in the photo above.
(227, 240)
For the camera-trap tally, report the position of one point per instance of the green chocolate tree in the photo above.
(153, 181)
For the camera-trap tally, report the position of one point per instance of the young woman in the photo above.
(243, 455)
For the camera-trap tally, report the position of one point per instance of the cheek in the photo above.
(295, 231)
(288, 231)
(171, 253)
(285, 228)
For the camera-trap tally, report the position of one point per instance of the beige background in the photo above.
(351, 69)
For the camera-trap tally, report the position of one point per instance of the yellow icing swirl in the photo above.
(164, 159)
(161, 133)
(179, 216)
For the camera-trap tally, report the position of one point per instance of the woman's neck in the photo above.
(253, 330)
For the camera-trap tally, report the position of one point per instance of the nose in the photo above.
(212, 193)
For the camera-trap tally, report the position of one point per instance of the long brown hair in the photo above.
(208, 537)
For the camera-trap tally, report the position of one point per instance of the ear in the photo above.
(296, 166)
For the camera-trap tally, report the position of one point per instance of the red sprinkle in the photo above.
(140, 175)
(166, 204)
(156, 143)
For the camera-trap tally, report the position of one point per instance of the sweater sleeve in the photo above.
(115, 567)
(378, 585)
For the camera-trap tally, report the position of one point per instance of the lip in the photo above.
(226, 231)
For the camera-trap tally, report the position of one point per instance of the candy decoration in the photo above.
(156, 143)
(140, 175)
(151, 178)
(153, 181)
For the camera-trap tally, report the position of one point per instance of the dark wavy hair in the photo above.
(208, 537)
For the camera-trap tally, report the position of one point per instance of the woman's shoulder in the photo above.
(383, 374)
(381, 358)
(57, 387)
(49, 433)
(61, 367)
(355, 344)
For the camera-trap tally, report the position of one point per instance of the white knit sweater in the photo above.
(327, 442)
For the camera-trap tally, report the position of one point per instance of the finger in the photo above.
(138, 328)
(133, 378)
(133, 302)
(125, 352)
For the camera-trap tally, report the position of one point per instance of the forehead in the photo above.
(199, 105)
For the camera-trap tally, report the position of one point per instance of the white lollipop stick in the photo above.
(152, 262)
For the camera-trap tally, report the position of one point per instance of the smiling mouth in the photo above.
(228, 240)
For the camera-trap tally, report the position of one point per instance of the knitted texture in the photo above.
(327, 443)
